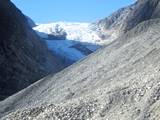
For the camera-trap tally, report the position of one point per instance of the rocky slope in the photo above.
(24, 58)
(127, 18)
(118, 82)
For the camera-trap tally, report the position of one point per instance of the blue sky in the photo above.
(43, 11)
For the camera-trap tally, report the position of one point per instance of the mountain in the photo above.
(71, 41)
(128, 17)
(118, 82)
(31, 22)
(112, 26)
(24, 57)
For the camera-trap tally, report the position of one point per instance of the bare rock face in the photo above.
(143, 10)
(24, 58)
(115, 19)
(127, 18)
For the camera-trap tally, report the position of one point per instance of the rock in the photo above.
(31, 22)
(118, 82)
(127, 18)
(24, 56)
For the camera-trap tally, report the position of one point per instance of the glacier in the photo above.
(81, 39)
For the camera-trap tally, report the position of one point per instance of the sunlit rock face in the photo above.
(128, 17)
(24, 58)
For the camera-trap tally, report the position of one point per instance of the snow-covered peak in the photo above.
(75, 31)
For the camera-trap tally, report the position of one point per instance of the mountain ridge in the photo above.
(128, 17)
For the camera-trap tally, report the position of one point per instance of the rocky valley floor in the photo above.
(124, 84)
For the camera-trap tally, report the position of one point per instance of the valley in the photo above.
(115, 75)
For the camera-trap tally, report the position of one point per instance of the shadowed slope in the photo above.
(24, 58)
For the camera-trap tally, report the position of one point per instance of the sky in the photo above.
(44, 11)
